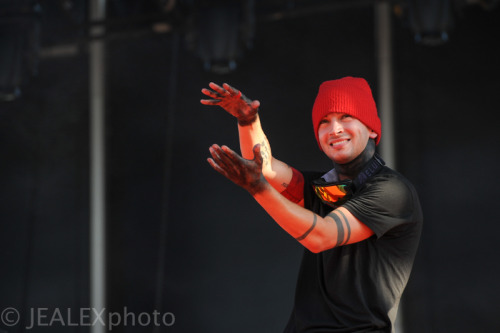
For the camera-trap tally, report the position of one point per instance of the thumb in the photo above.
(255, 104)
(257, 156)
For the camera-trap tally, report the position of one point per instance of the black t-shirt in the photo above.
(357, 287)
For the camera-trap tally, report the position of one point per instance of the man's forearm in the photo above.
(253, 134)
(277, 173)
(305, 226)
(249, 136)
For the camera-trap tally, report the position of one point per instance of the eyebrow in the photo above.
(339, 113)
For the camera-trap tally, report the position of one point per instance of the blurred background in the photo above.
(106, 198)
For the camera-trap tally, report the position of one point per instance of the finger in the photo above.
(224, 166)
(255, 104)
(218, 89)
(257, 156)
(210, 101)
(219, 156)
(210, 93)
(214, 165)
(213, 149)
(232, 156)
(231, 90)
(224, 158)
(217, 168)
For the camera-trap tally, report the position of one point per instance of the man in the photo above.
(360, 223)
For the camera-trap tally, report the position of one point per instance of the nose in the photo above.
(337, 127)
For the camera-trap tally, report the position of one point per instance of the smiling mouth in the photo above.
(339, 143)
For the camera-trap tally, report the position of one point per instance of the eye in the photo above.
(346, 116)
(324, 121)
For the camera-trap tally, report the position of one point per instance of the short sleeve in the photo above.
(385, 202)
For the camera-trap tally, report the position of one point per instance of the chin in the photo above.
(340, 158)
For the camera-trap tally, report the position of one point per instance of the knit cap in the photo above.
(349, 95)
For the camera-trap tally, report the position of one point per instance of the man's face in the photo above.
(343, 137)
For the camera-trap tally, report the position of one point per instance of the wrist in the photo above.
(258, 187)
(247, 121)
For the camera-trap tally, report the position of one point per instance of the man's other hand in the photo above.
(233, 101)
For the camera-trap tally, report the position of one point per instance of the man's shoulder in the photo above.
(390, 193)
(391, 180)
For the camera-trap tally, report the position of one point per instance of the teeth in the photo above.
(338, 143)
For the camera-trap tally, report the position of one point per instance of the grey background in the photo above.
(227, 266)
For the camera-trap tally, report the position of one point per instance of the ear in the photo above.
(373, 135)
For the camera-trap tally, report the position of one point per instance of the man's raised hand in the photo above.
(233, 101)
(242, 172)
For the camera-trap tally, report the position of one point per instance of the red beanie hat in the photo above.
(348, 95)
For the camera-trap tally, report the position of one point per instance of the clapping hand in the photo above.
(242, 172)
(233, 101)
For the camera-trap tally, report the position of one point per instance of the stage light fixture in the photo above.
(220, 33)
(431, 20)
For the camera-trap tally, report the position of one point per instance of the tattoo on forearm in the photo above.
(308, 231)
(348, 227)
(340, 228)
(264, 151)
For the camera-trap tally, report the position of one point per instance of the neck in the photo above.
(351, 169)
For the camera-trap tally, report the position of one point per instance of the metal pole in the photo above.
(385, 81)
(383, 42)
(169, 145)
(97, 170)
